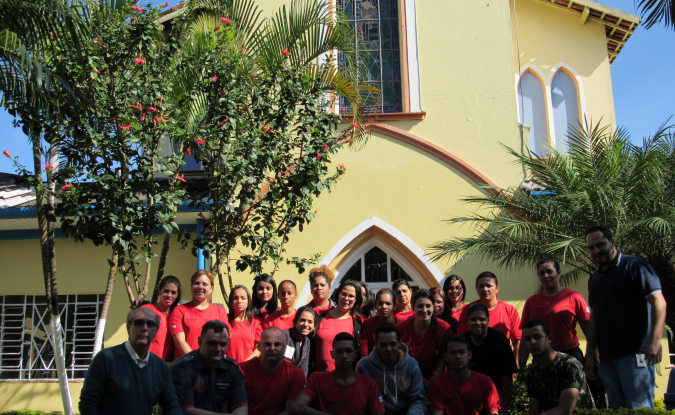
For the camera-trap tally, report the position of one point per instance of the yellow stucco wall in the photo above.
(549, 36)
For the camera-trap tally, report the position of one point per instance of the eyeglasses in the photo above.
(140, 323)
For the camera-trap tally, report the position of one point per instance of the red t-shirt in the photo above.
(323, 310)
(368, 333)
(504, 317)
(162, 345)
(361, 397)
(325, 333)
(404, 315)
(268, 393)
(275, 320)
(561, 312)
(457, 313)
(476, 395)
(186, 318)
(244, 337)
(423, 346)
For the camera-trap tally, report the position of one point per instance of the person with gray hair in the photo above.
(128, 378)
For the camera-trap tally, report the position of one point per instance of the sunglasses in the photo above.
(140, 323)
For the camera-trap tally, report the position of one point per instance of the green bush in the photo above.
(27, 412)
(625, 411)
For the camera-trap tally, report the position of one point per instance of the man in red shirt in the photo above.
(341, 391)
(461, 391)
(272, 383)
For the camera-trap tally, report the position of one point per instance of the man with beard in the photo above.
(628, 312)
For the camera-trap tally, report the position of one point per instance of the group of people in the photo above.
(398, 351)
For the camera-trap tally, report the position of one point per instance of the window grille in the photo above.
(378, 269)
(376, 23)
(26, 349)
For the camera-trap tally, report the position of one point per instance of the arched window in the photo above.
(376, 23)
(378, 265)
(532, 105)
(565, 102)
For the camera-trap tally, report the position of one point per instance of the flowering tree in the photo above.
(127, 186)
(264, 133)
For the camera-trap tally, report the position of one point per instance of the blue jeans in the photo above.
(628, 386)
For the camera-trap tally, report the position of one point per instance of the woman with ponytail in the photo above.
(245, 328)
(425, 335)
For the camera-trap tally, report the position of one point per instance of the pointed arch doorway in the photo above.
(378, 253)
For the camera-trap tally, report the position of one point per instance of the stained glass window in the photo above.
(375, 22)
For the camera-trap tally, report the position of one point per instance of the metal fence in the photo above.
(26, 348)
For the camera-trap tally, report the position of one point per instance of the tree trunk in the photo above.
(100, 327)
(49, 268)
(162, 264)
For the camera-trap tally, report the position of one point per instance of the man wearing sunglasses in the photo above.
(128, 378)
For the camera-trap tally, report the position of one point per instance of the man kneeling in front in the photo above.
(340, 392)
(206, 381)
(556, 383)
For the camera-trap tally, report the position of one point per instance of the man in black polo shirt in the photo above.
(628, 312)
(207, 382)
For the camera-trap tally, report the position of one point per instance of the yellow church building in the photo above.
(458, 79)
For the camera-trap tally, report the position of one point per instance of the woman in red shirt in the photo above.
(425, 335)
(455, 292)
(264, 295)
(169, 298)
(245, 328)
(320, 279)
(440, 305)
(187, 319)
(503, 316)
(403, 293)
(283, 317)
(384, 304)
(338, 320)
(561, 308)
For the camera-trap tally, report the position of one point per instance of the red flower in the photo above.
(225, 20)
(156, 119)
(6, 153)
(349, 141)
(164, 120)
(49, 168)
(236, 108)
(200, 141)
(285, 52)
(151, 109)
(125, 127)
(342, 110)
(98, 72)
(223, 122)
(215, 78)
(181, 179)
(100, 47)
(354, 125)
(200, 214)
(318, 156)
(217, 28)
(264, 129)
(342, 166)
(188, 152)
(143, 117)
(137, 106)
(324, 146)
(95, 39)
(66, 187)
(165, 4)
(222, 94)
(139, 61)
(243, 48)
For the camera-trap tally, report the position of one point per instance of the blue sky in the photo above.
(642, 83)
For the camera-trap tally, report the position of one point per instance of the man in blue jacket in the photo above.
(397, 374)
(129, 379)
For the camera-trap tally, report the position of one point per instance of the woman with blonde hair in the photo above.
(320, 280)
(187, 319)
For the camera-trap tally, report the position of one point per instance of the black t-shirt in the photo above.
(493, 358)
(197, 386)
(620, 310)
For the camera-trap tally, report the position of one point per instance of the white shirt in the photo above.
(140, 362)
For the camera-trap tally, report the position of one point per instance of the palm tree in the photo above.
(603, 180)
(657, 11)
